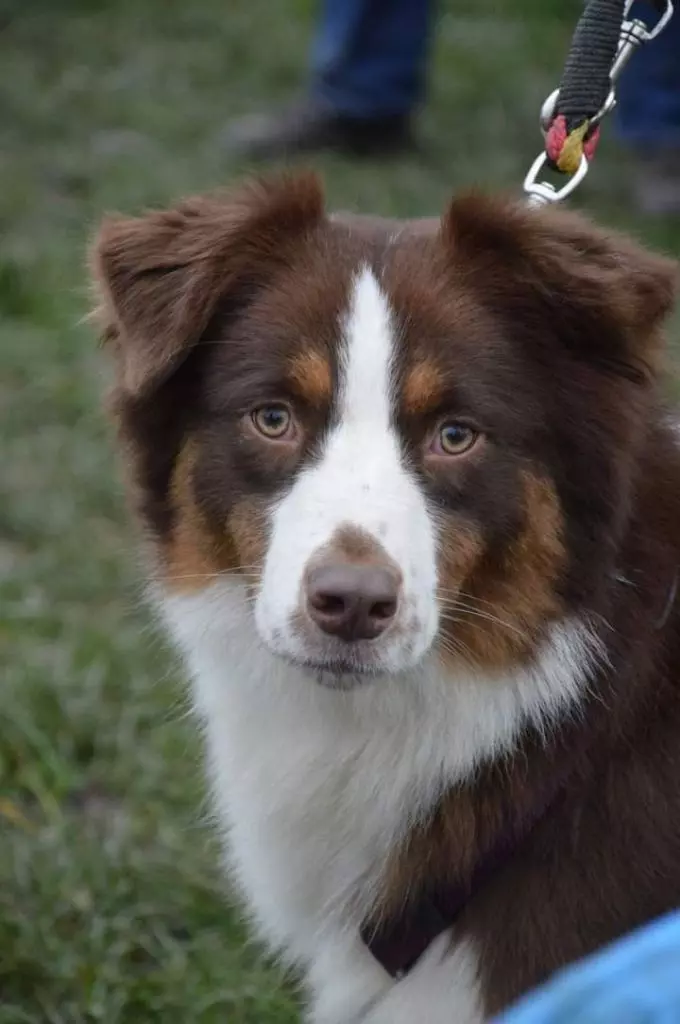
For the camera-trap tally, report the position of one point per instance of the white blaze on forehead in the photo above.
(359, 480)
(366, 366)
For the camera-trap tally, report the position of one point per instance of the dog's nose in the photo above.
(353, 602)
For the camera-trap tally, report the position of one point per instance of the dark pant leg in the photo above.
(648, 113)
(370, 56)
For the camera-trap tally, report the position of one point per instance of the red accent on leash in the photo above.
(557, 137)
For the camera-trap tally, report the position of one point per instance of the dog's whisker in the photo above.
(487, 609)
(235, 574)
(450, 616)
(456, 647)
(444, 594)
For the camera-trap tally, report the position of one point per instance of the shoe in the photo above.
(309, 126)
(656, 186)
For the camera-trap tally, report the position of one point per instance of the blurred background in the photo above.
(111, 904)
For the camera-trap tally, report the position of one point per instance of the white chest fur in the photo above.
(316, 786)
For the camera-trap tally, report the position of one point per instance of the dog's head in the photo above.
(395, 438)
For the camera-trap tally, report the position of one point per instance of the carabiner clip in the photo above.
(634, 33)
(540, 192)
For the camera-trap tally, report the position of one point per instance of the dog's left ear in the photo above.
(606, 295)
(159, 278)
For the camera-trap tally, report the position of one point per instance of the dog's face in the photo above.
(398, 438)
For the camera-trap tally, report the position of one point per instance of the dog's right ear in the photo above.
(160, 277)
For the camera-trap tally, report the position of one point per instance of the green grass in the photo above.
(111, 903)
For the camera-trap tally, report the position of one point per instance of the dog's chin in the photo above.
(340, 675)
(337, 666)
(332, 671)
(336, 673)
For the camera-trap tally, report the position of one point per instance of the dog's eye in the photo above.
(274, 421)
(454, 438)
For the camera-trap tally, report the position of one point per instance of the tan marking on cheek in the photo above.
(246, 526)
(460, 549)
(510, 600)
(422, 388)
(311, 375)
(188, 560)
(195, 554)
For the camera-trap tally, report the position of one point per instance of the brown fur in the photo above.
(196, 552)
(313, 378)
(422, 388)
(161, 278)
(523, 597)
(545, 329)
(191, 557)
(356, 545)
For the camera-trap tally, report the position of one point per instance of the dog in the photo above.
(411, 495)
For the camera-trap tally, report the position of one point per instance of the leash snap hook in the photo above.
(664, 18)
(634, 33)
(540, 192)
(570, 148)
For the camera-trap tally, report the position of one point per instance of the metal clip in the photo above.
(664, 18)
(633, 34)
(540, 192)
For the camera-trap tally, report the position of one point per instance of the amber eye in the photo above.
(273, 421)
(454, 438)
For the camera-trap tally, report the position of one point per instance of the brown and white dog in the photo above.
(414, 504)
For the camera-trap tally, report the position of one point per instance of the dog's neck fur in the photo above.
(319, 788)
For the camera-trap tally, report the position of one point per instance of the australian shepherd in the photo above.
(412, 499)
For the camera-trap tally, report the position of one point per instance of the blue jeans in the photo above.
(370, 56)
(648, 113)
(370, 60)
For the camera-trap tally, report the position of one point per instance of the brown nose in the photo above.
(353, 602)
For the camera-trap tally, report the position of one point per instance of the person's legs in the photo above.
(648, 119)
(368, 73)
(648, 111)
(369, 58)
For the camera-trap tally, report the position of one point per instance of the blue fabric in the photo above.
(370, 56)
(648, 113)
(635, 981)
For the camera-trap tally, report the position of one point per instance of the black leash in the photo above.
(604, 41)
(586, 80)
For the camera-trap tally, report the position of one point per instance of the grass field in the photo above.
(111, 904)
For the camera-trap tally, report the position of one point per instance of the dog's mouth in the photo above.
(338, 673)
(344, 665)
(340, 664)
